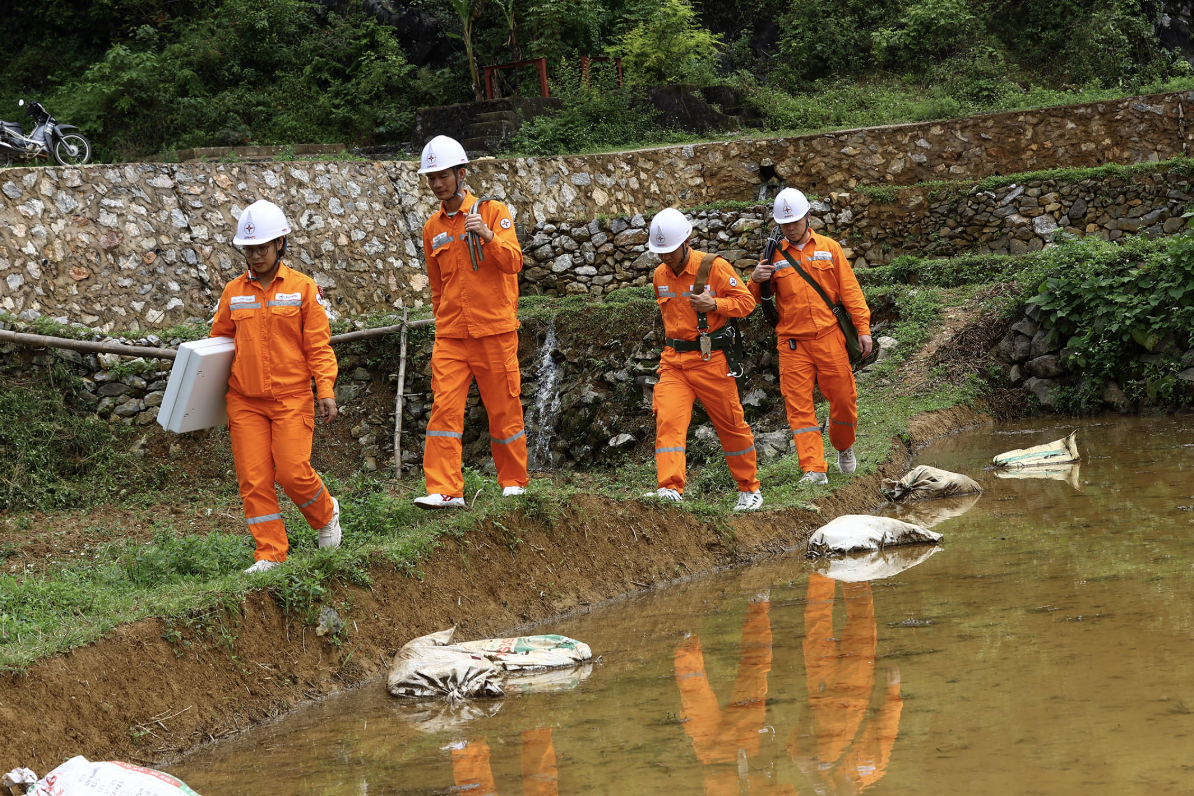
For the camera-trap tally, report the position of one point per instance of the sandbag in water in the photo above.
(852, 533)
(81, 777)
(928, 483)
(1059, 451)
(877, 565)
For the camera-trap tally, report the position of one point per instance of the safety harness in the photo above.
(728, 338)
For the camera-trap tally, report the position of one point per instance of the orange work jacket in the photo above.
(803, 315)
(282, 336)
(470, 303)
(672, 293)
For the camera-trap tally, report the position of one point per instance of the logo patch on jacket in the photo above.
(288, 296)
(440, 240)
(233, 300)
(822, 256)
(733, 282)
(505, 223)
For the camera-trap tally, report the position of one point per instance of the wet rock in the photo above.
(1041, 344)
(1045, 367)
(361, 374)
(622, 441)
(113, 388)
(1114, 397)
(329, 621)
(1021, 349)
(1026, 326)
(1016, 375)
(1045, 391)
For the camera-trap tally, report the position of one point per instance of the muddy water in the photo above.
(1047, 647)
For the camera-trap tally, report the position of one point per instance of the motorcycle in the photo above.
(63, 141)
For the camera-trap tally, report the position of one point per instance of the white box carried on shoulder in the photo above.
(194, 398)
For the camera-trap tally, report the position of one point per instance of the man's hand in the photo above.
(704, 302)
(474, 223)
(867, 344)
(327, 409)
(762, 272)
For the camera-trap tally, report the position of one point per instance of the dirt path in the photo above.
(149, 691)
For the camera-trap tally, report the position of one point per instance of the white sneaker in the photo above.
(329, 535)
(749, 501)
(814, 478)
(262, 566)
(514, 491)
(847, 462)
(663, 493)
(435, 501)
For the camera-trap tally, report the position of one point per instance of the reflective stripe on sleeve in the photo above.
(508, 440)
(262, 518)
(739, 453)
(806, 430)
(452, 434)
(669, 450)
(312, 500)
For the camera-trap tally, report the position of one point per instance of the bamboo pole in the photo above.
(399, 400)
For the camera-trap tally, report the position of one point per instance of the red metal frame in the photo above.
(585, 60)
(541, 63)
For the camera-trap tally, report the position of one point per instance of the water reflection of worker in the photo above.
(473, 775)
(726, 740)
(841, 748)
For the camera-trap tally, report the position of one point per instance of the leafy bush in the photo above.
(668, 45)
(927, 30)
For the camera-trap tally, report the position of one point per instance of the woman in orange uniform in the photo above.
(474, 295)
(282, 335)
(686, 372)
(812, 347)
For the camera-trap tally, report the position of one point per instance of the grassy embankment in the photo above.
(59, 461)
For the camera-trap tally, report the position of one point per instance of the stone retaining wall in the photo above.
(606, 254)
(148, 246)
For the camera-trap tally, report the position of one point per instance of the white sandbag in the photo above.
(930, 513)
(432, 666)
(429, 667)
(1057, 452)
(530, 653)
(926, 483)
(854, 533)
(877, 565)
(80, 777)
(1070, 472)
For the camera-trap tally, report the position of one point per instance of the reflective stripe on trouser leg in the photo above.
(718, 394)
(450, 380)
(797, 375)
(292, 428)
(672, 405)
(494, 362)
(249, 427)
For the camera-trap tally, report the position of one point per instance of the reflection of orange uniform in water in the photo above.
(722, 738)
(470, 766)
(841, 676)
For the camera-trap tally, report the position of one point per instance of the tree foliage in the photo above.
(668, 45)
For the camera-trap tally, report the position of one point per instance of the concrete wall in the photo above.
(148, 246)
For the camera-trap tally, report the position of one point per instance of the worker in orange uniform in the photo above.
(812, 346)
(473, 259)
(686, 370)
(847, 751)
(283, 341)
(727, 741)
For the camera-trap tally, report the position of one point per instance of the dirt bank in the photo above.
(151, 690)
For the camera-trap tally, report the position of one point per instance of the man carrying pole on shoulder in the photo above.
(812, 346)
(473, 259)
(697, 293)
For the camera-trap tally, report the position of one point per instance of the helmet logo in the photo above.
(660, 237)
(787, 210)
(249, 228)
(431, 158)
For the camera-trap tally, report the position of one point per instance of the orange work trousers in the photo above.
(493, 361)
(678, 387)
(823, 362)
(271, 441)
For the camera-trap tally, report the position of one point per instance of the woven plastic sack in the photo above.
(1059, 451)
(80, 777)
(531, 653)
(927, 483)
(855, 533)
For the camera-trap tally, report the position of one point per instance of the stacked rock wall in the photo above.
(148, 246)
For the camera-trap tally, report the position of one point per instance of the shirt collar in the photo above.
(812, 238)
(468, 201)
(690, 265)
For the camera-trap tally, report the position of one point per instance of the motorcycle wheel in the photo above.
(64, 145)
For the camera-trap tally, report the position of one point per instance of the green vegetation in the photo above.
(151, 77)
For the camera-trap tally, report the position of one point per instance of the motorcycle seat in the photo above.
(15, 126)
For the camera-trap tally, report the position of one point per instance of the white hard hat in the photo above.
(790, 205)
(442, 153)
(260, 223)
(669, 230)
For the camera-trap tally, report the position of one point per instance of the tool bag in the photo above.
(853, 347)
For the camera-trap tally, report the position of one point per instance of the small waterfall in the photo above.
(547, 404)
